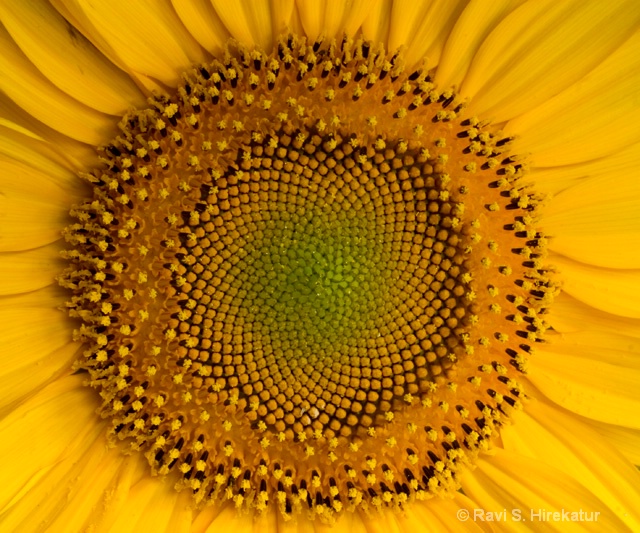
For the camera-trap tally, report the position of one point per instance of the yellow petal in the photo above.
(302, 524)
(541, 49)
(21, 81)
(333, 18)
(593, 118)
(552, 180)
(222, 518)
(295, 24)
(559, 439)
(48, 428)
(18, 125)
(591, 373)
(153, 504)
(612, 291)
(518, 489)
(441, 514)
(70, 495)
(33, 371)
(352, 522)
(27, 148)
(597, 221)
(383, 523)
(257, 23)
(202, 21)
(404, 17)
(568, 315)
(311, 16)
(423, 28)
(94, 480)
(344, 17)
(203, 519)
(434, 512)
(38, 154)
(626, 440)
(281, 14)
(603, 347)
(134, 468)
(33, 208)
(375, 26)
(248, 22)
(67, 59)
(182, 515)
(36, 343)
(473, 26)
(143, 37)
(420, 27)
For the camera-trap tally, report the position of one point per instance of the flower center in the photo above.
(306, 280)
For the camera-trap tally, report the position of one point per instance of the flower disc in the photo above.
(307, 280)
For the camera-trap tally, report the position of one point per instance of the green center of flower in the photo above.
(305, 281)
(314, 280)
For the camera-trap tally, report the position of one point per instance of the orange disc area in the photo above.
(307, 280)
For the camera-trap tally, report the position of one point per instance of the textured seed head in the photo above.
(306, 280)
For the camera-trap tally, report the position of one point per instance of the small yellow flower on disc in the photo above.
(285, 285)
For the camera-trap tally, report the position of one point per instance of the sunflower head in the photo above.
(307, 280)
(312, 279)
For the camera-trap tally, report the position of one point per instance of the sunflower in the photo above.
(310, 265)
